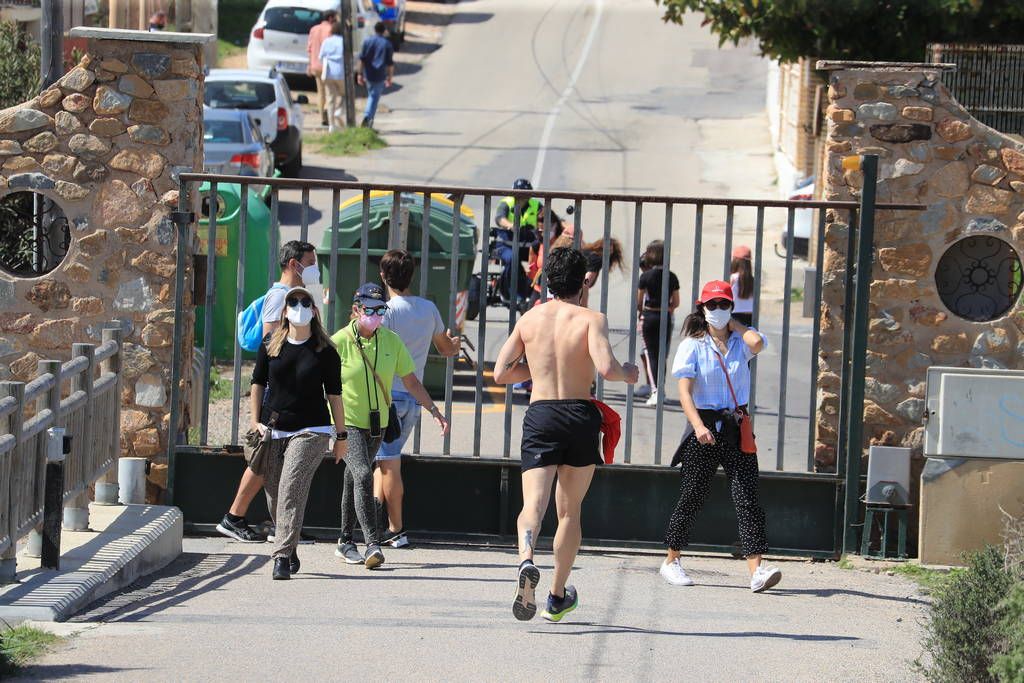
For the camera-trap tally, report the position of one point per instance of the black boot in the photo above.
(281, 572)
(293, 563)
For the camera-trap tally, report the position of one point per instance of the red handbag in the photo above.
(747, 443)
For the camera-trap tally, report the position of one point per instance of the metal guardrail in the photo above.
(90, 412)
(459, 195)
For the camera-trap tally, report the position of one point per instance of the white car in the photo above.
(264, 94)
(280, 36)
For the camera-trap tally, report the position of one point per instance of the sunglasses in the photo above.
(716, 304)
(375, 310)
(294, 301)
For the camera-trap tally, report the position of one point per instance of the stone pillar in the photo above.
(106, 144)
(971, 179)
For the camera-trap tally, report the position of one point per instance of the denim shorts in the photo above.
(409, 413)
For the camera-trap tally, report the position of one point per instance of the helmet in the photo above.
(522, 184)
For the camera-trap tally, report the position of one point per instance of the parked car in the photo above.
(278, 39)
(233, 144)
(392, 13)
(803, 220)
(266, 96)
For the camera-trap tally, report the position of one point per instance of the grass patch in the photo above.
(220, 388)
(227, 49)
(844, 563)
(928, 579)
(796, 294)
(348, 142)
(21, 645)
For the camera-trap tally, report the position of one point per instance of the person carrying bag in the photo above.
(712, 366)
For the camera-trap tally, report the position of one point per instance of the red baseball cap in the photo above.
(741, 252)
(716, 289)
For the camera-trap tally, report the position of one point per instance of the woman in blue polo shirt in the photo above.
(712, 341)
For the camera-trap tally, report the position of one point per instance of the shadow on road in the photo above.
(415, 47)
(432, 19)
(62, 672)
(290, 213)
(827, 593)
(612, 628)
(324, 173)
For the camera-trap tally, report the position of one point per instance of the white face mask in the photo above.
(718, 318)
(300, 316)
(311, 274)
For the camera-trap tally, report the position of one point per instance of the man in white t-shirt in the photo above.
(418, 322)
(298, 268)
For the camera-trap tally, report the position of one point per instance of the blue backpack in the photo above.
(250, 322)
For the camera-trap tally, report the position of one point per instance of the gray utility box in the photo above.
(888, 476)
(974, 413)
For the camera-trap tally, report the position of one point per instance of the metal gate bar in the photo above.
(336, 188)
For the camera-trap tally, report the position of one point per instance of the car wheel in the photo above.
(294, 167)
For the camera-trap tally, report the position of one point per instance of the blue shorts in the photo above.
(409, 413)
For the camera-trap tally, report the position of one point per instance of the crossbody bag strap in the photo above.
(366, 364)
(729, 381)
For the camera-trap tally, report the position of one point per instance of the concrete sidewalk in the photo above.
(440, 613)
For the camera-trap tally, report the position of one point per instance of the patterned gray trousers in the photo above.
(291, 464)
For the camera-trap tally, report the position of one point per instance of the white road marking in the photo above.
(549, 124)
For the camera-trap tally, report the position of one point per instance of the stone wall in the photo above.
(971, 178)
(106, 144)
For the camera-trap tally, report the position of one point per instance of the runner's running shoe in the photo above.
(764, 578)
(374, 557)
(524, 607)
(396, 539)
(559, 607)
(240, 531)
(348, 552)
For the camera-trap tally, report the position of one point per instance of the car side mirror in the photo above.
(258, 122)
(301, 99)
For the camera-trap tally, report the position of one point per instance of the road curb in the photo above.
(141, 539)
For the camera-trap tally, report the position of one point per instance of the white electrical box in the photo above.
(974, 413)
(888, 476)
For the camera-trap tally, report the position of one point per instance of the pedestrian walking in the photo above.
(332, 56)
(741, 279)
(158, 21)
(417, 322)
(297, 373)
(649, 309)
(711, 365)
(566, 344)
(298, 268)
(376, 69)
(317, 36)
(371, 356)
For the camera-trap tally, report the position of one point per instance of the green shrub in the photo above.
(19, 65)
(966, 631)
(1009, 666)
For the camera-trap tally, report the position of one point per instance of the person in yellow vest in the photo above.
(504, 218)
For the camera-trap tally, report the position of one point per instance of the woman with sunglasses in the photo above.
(302, 368)
(712, 366)
(371, 356)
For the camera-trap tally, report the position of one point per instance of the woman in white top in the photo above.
(332, 56)
(742, 281)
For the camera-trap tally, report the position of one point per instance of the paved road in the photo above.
(595, 96)
(439, 613)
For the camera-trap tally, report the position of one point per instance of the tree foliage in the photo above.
(19, 65)
(889, 30)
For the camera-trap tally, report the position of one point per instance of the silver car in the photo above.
(233, 144)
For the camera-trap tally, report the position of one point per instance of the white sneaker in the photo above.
(674, 573)
(764, 578)
(642, 392)
(653, 400)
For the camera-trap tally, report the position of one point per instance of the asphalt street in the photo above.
(581, 95)
(444, 614)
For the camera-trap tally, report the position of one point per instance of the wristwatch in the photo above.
(342, 436)
(434, 410)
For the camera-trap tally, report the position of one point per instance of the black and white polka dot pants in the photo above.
(700, 462)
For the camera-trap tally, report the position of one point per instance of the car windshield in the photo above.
(292, 19)
(235, 95)
(222, 131)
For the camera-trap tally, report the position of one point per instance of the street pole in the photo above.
(350, 81)
(51, 63)
(859, 349)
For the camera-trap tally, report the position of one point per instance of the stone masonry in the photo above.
(106, 144)
(971, 179)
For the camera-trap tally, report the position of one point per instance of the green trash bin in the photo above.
(343, 284)
(257, 263)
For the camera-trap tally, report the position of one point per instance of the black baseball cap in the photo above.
(369, 294)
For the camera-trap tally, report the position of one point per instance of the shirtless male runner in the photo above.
(566, 344)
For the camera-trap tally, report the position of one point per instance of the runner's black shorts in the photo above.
(566, 432)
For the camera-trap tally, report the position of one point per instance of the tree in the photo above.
(19, 65)
(883, 30)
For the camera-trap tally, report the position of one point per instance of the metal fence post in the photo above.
(76, 512)
(58, 446)
(106, 486)
(182, 218)
(858, 352)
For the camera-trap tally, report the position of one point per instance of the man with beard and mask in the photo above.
(712, 366)
(298, 268)
(371, 357)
